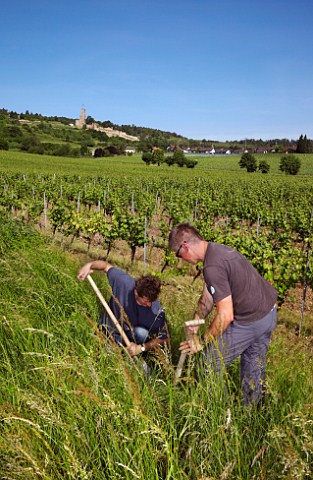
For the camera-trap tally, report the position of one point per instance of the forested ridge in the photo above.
(57, 135)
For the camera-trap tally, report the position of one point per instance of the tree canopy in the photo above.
(249, 162)
(290, 164)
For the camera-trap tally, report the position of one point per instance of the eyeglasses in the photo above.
(177, 254)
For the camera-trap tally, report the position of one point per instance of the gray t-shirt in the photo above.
(228, 272)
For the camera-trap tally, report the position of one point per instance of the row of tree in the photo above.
(304, 145)
(157, 157)
(289, 164)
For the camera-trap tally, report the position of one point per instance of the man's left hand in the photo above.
(134, 349)
(191, 346)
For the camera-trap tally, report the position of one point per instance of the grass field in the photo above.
(72, 408)
(27, 163)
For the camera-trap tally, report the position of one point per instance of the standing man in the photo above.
(145, 323)
(245, 305)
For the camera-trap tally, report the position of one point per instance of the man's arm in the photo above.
(205, 304)
(204, 307)
(153, 344)
(89, 267)
(224, 316)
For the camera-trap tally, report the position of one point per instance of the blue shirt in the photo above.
(151, 318)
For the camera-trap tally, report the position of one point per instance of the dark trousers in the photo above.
(250, 341)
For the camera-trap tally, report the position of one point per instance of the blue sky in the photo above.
(213, 69)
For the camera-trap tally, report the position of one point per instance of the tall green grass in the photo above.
(75, 407)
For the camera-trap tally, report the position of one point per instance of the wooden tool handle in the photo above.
(109, 311)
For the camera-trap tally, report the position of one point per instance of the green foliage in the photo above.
(158, 156)
(190, 163)
(179, 158)
(33, 210)
(290, 164)
(89, 120)
(99, 152)
(4, 144)
(131, 228)
(30, 143)
(83, 150)
(248, 162)
(59, 214)
(147, 158)
(304, 145)
(264, 166)
(169, 160)
(272, 254)
(15, 235)
(14, 131)
(53, 136)
(278, 204)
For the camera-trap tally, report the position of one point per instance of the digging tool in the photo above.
(114, 319)
(182, 358)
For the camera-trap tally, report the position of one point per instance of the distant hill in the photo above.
(64, 136)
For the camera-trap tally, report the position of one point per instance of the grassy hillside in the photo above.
(54, 137)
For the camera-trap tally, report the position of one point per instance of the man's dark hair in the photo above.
(148, 286)
(183, 232)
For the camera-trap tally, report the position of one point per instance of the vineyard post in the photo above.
(99, 206)
(196, 205)
(133, 203)
(305, 284)
(145, 247)
(258, 226)
(78, 202)
(44, 210)
(196, 208)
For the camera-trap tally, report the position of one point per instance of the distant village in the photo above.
(213, 150)
(236, 151)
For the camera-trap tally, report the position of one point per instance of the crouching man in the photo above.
(135, 304)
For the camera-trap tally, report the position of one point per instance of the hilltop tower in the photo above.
(82, 119)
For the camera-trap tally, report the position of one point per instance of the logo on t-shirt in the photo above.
(212, 289)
